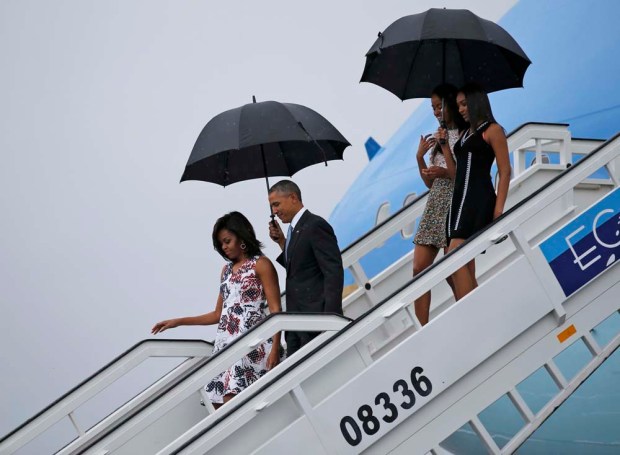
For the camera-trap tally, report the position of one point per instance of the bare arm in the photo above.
(266, 272)
(495, 137)
(426, 143)
(435, 172)
(210, 318)
(447, 153)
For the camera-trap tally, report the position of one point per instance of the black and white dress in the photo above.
(473, 198)
(243, 306)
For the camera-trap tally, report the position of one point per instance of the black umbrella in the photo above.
(418, 52)
(264, 139)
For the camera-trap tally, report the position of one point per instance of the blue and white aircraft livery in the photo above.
(587, 246)
(575, 51)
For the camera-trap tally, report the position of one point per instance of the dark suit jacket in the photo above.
(314, 274)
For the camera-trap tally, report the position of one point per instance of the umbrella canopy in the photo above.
(418, 52)
(262, 140)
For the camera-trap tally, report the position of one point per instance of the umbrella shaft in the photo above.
(262, 154)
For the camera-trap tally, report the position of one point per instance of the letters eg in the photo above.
(580, 257)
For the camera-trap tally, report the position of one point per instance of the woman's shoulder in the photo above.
(264, 267)
(262, 261)
(494, 126)
(492, 130)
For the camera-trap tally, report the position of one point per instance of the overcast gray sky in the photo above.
(100, 105)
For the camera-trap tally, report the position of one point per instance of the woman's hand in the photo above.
(497, 213)
(274, 357)
(164, 325)
(433, 172)
(441, 137)
(426, 143)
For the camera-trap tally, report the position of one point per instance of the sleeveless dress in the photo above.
(432, 227)
(243, 306)
(473, 199)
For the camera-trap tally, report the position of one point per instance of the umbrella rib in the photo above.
(284, 158)
(279, 143)
(458, 47)
(404, 92)
(239, 129)
(415, 56)
(321, 149)
(226, 171)
(309, 137)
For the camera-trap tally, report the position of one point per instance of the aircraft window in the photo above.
(383, 213)
(408, 231)
(409, 199)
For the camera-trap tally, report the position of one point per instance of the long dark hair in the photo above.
(447, 93)
(239, 225)
(478, 105)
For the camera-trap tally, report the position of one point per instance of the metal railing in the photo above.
(65, 406)
(130, 420)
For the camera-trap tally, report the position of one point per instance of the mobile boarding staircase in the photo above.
(378, 382)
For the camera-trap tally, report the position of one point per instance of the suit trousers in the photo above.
(295, 340)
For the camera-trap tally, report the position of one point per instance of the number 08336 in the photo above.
(369, 420)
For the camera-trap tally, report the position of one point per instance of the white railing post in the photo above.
(519, 161)
(538, 150)
(565, 153)
(612, 170)
(75, 424)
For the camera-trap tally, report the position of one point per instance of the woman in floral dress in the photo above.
(431, 234)
(249, 290)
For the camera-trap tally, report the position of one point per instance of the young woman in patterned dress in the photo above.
(474, 202)
(431, 235)
(249, 290)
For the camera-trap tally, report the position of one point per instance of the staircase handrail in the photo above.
(102, 378)
(191, 381)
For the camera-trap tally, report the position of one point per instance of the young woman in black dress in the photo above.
(474, 202)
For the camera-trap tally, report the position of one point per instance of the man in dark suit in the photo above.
(311, 257)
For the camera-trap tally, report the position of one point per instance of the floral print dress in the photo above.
(432, 227)
(243, 306)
